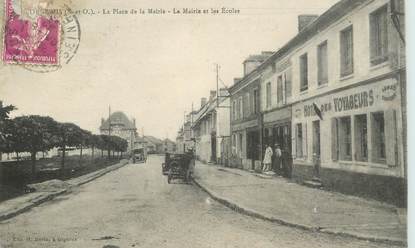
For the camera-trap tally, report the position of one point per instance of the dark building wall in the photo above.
(382, 188)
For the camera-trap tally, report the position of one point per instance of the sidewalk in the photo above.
(48, 190)
(279, 200)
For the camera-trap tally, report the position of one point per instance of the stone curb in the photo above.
(253, 213)
(50, 195)
(44, 198)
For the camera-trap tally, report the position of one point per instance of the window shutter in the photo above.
(391, 138)
(294, 140)
(288, 83)
(305, 145)
(334, 140)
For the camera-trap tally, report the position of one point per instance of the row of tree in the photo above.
(36, 133)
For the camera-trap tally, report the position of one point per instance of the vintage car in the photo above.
(139, 155)
(178, 165)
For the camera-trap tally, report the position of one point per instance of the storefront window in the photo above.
(299, 140)
(378, 137)
(240, 143)
(360, 134)
(344, 132)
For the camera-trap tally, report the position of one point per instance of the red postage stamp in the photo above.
(29, 36)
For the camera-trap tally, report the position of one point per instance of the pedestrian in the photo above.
(267, 159)
(278, 158)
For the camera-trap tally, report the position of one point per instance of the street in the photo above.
(135, 207)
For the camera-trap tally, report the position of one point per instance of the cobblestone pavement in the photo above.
(135, 207)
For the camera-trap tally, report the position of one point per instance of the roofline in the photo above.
(333, 14)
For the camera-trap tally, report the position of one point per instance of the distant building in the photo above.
(153, 144)
(211, 128)
(169, 146)
(120, 125)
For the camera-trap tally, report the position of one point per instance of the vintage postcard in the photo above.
(212, 123)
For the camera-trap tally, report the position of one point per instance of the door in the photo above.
(316, 148)
(213, 147)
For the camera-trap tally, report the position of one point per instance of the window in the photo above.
(241, 108)
(234, 110)
(303, 72)
(346, 51)
(240, 144)
(360, 134)
(256, 107)
(299, 141)
(288, 80)
(268, 96)
(378, 137)
(345, 138)
(322, 71)
(379, 36)
(280, 91)
(247, 104)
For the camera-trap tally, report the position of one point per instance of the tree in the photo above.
(95, 141)
(4, 121)
(68, 134)
(84, 141)
(34, 134)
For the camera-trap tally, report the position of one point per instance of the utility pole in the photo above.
(109, 120)
(217, 85)
(109, 128)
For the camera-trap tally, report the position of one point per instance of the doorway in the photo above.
(316, 148)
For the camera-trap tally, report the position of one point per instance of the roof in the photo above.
(118, 118)
(169, 141)
(257, 57)
(153, 140)
(207, 108)
(333, 14)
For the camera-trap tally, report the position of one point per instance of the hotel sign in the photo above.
(352, 99)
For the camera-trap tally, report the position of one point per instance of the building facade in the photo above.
(211, 129)
(120, 125)
(347, 93)
(334, 98)
(246, 117)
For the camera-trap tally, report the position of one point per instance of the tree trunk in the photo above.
(93, 150)
(80, 156)
(33, 158)
(17, 156)
(102, 153)
(63, 157)
(109, 154)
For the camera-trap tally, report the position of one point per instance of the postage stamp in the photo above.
(30, 37)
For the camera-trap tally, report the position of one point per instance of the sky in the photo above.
(152, 67)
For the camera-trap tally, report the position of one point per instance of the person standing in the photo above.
(278, 158)
(267, 159)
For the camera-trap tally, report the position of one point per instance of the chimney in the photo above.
(267, 53)
(203, 102)
(102, 121)
(304, 20)
(134, 122)
(212, 95)
(223, 92)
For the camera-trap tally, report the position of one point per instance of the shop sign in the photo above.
(341, 103)
(389, 92)
(354, 101)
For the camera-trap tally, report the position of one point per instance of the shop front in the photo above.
(277, 132)
(352, 139)
(246, 149)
